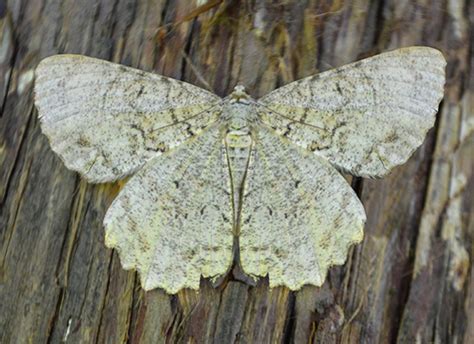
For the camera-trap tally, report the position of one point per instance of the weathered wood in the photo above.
(411, 280)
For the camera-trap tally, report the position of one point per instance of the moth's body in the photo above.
(236, 180)
(238, 116)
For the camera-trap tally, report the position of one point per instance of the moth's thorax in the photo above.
(239, 118)
(239, 110)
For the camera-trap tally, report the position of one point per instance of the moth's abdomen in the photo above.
(238, 144)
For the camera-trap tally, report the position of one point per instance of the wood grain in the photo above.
(411, 280)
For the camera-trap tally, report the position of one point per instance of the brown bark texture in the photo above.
(410, 280)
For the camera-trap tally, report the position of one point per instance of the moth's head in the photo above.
(239, 95)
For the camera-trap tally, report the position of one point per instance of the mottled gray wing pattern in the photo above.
(173, 220)
(105, 120)
(299, 215)
(365, 117)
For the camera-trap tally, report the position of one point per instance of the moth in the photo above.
(224, 181)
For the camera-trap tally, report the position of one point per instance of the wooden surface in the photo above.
(410, 280)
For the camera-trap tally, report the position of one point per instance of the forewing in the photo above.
(106, 120)
(365, 117)
(299, 215)
(173, 220)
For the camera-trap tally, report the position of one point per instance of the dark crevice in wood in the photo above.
(67, 233)
(112, 29)
(182, 325)
(320, 48)
(18, 156)
(227, 86)
(131, 311)
(73, 253)
(470, 10)
(164, 12)
(22, 11)
(55, 317)
(289, 329)
(12, 61)
(140, 304)
(357, 184)
(15, 217)
(379, 23)
(3, 9)
(64, 263)
(164, 22)
(214, 321)
(176, 311)
(178, 327)
(351, 276)
(438, 304)
(106, 297)
(187, 50)
(25, 134)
